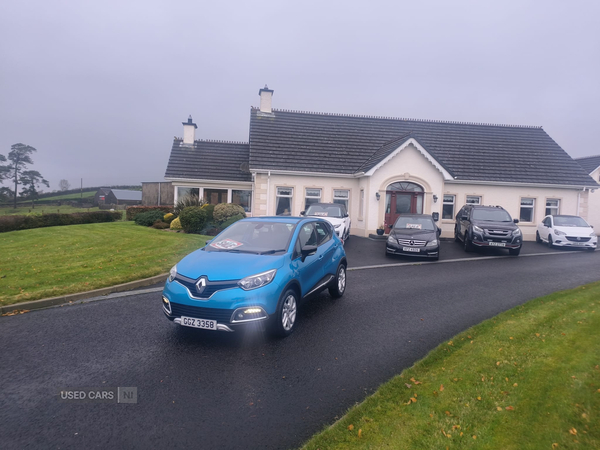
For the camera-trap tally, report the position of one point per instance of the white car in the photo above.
(335, 214)
(566, 231)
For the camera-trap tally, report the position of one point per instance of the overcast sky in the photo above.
(101, 87)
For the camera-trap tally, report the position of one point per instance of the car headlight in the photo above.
(593, 234)
(432, 243)
(477, 229)
(173, 273)
(559, 233)
(258, 280)
(337, 226)
(517, 232)
(391, 239)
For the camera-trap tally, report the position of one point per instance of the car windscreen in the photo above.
(415, 223)
(572, 221)
(494, 215)
(324, 211)
(259, 237)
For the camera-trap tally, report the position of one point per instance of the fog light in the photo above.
(166, 304)
(248, 314)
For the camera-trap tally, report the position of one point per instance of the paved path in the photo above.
(219, 390)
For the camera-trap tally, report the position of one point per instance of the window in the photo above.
(215, 196)
(361, 204)
(184, 191)
(311, 196)
(341, 197)
(242, 198)
(284, 201)
(307, 235)
(552, 206)
(448, 207)
(473, 200)
(323, 232)
(527, 205)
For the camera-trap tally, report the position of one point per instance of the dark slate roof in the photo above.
(209, 160)
(332, 143)
(589, 163)
(123, 194)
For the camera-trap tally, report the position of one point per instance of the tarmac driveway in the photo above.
(371, 252)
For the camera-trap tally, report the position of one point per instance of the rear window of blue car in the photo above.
(261, 237)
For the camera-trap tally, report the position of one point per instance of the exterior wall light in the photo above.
(435, 197)
(377, 196)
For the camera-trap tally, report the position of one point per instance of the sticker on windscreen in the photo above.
(414, 226)
(226, 244)
(321, 214)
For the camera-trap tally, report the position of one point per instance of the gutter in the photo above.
(507, 183)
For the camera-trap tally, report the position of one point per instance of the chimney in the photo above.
(189, 131)
(266, 95)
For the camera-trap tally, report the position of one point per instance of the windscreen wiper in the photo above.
(270, 252)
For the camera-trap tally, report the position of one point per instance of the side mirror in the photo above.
(302, 213)
(346, 215)
(439, 231)
(308, 250)
(516, 220)
(464, 218)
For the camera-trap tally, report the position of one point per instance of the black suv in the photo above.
(487, 226)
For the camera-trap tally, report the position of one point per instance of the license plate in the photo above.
(199, 323)
(497, 244)
(410, 249)
(579, 243)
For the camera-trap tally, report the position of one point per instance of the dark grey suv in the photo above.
(487, 226)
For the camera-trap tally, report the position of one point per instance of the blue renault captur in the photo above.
(256, 271)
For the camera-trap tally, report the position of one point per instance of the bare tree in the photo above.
(64, 185)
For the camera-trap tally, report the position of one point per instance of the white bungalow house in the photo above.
(380, 167)
(591, 165)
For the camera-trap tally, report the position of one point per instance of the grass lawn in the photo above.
(526, 379)
(46, 262)
(75, 196)
(43, 209)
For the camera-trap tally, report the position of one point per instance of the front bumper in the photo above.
(421, 251)
(223, 306)
(572, 242)
(486, 240)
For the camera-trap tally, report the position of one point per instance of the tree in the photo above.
(31, 179)
(19, 157)
(64, 185)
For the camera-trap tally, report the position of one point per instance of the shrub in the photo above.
(133, 211)
(187, 201)
(209, 208)
(168, 218)
(231, 220)
(224, 211)
(192, 219)
(160, 225)
(12, 223)
(148, 218)
(176, 224)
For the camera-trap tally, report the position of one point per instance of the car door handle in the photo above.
(320, 256)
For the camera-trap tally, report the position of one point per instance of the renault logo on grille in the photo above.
(201, 284)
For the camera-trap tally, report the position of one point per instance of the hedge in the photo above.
(224, 211)
(193, 219)
(133, 211)
(12, 223)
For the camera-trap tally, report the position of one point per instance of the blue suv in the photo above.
(256, 271)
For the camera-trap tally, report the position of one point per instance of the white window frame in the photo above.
(277, 196)
(306, 196)
(361, 205)
(344, 199)
(453, 203)
(557, 207)
(478, 202)
(531, 207)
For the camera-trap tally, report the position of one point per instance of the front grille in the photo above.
(198, 312)
(498, 233)
(209, 288)
(411, 242)
(578, 239)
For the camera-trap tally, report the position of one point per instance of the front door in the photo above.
(215, 196)
(402, 202)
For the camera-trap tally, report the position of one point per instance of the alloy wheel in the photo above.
(288, 314)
